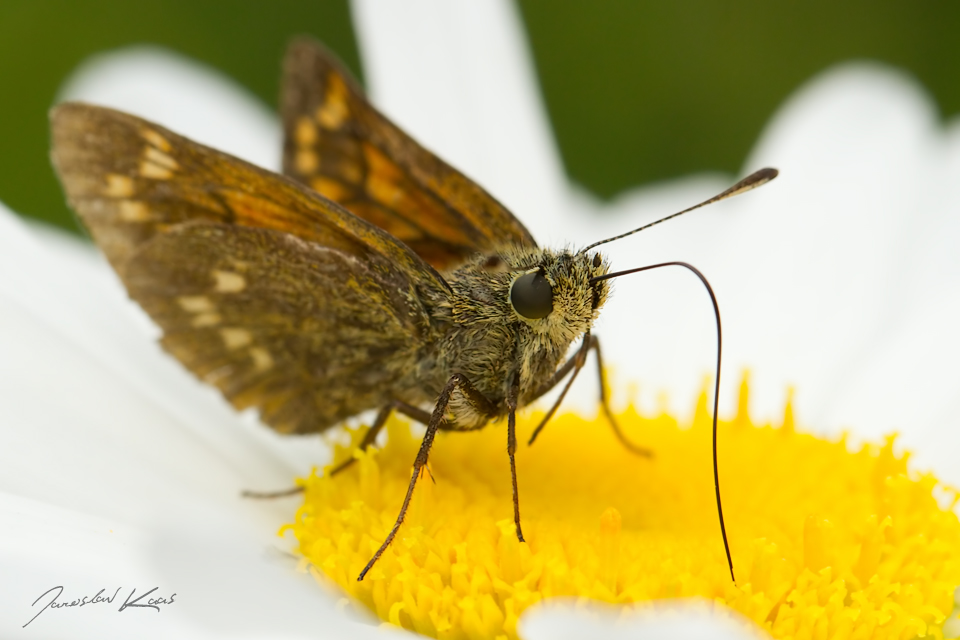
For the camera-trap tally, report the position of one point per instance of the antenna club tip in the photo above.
(768, 173)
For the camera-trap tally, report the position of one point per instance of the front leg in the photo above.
(574, 364)
(368, 439)
(479, 402)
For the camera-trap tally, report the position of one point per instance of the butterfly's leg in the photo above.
(270, 495)
(397, 405)
(512, 449)
(368, 439)
(605, 404)
(480, 402)
(575, 364)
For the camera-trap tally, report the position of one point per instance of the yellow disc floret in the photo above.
(828, 540)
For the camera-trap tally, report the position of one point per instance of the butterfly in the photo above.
(371, 275)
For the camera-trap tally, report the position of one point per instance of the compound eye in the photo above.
(532, 296)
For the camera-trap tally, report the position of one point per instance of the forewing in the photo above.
(338, 144)
(130, 179)
(262, 287)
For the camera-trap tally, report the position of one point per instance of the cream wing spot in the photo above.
(155, 139)
(306, 161)
(205, 313)
(196, 304)
(262, 360)
(234, 338)
(332, 113)
(133, 211)
(118, 186)
(228, 281)
(157, 165)
(160, 158)
(206, 320)
(154, 172)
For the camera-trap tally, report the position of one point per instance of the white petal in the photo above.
(183, 95)
(72, 299)
(223, 584)
(457, 76)
(562, 619)
(839, 278)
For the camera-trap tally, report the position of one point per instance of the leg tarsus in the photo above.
(574, 364)
(512, 450)
(486, 407)
(271, 495)
(605, 405)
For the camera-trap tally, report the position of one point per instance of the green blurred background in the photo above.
(636, 91)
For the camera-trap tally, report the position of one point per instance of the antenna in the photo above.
(716, 313)
(752, 181)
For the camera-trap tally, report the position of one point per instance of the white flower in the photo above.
(119, 470)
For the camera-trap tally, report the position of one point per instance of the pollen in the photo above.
(829, 539)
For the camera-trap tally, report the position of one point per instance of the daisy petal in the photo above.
(183, 95)
(458, 78)
(838, 278)
(205, 579)
(683, 620)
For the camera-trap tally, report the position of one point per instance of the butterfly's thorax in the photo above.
(478, 333)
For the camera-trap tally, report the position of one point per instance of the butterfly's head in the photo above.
(552, 292)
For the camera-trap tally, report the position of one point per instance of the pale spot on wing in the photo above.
(262, 360)
(196, 304)
(228, 281)
(118, 186)
(156, 164)
(133, 211)
(333, 111)
(206, 320)
(154, 171)
(306, 132)
(235, 338)
(306, 161)
(155, 139)
(160, 158)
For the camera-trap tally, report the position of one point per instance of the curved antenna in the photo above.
(752, 181)
(716, 389)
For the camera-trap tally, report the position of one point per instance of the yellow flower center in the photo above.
(828, 540)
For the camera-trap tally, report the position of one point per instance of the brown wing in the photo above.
(305, 333)
(276, 295)
(338, 144)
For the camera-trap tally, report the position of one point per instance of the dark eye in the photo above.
(532, 295)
